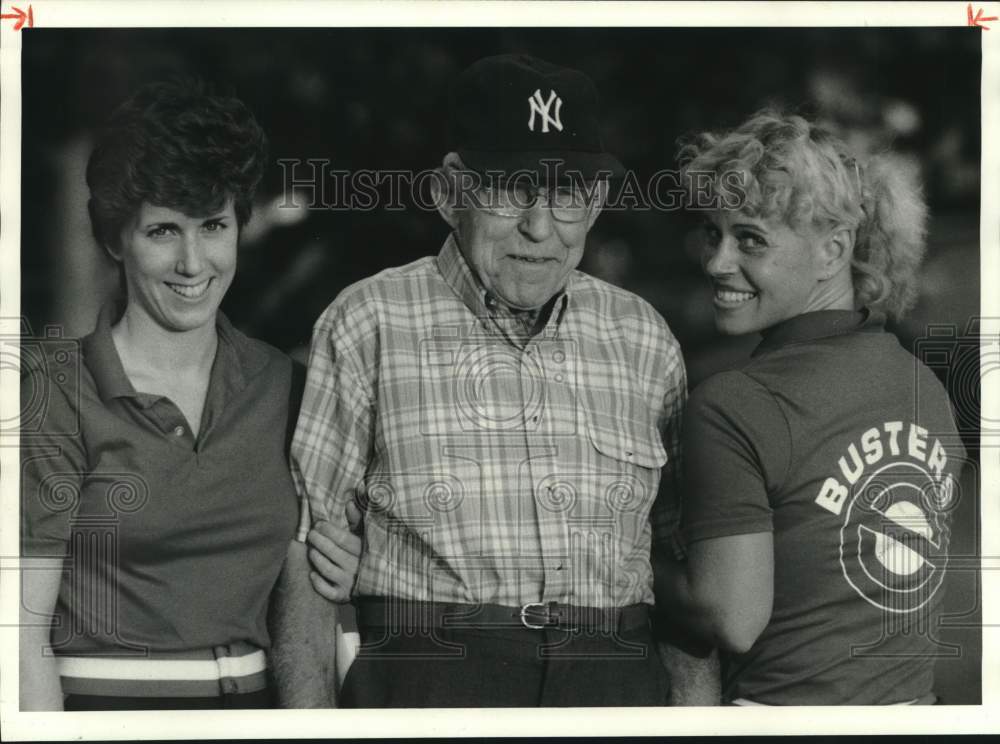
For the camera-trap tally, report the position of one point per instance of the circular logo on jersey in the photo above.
(894, 541)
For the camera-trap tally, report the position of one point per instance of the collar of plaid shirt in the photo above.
(518, 325)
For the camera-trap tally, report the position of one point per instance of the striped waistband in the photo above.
(231, 669)
(929, 699)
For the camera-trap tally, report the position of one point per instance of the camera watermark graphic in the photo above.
(472, 383)
(962, 358)
(49, 368)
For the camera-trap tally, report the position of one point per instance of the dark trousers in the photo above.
(473, 668)
(245, 700)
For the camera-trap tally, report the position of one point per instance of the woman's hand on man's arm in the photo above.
(335, 553)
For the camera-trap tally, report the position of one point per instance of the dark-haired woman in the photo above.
(820, 475)
(155, 487)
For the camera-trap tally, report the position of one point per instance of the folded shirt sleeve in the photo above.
(737, 447)
(334, 434)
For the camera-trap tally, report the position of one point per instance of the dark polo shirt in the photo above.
(841, 443)
(172, 541)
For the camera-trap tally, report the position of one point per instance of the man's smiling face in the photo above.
(523, 260)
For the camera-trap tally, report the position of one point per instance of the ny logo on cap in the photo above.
(540, 107)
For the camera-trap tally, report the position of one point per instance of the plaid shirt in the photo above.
(491, 466)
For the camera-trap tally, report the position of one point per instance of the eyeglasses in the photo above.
(566, 203)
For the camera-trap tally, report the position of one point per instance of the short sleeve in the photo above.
(53, 465)
(736, 446)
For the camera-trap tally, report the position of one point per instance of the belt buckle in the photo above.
(538, 608)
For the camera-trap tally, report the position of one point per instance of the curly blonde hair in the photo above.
(795, 170)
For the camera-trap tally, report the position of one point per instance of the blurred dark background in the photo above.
(377, 99)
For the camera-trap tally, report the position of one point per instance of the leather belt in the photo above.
(380, 612)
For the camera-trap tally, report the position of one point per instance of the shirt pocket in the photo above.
(634, 442)
(629, 454)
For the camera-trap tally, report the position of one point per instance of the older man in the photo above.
(502, 420)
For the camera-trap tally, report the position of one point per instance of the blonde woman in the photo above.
(817, 491)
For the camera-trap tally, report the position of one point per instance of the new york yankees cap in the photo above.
(510, 112)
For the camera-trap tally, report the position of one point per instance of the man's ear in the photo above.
(443, 188)
(598, 194)
(835, 251)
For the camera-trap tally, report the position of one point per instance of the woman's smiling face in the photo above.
(178, 267)
(762, 271)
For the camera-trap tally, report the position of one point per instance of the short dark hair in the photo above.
(174, 144)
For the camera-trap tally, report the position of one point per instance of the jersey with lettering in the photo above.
(844, 444)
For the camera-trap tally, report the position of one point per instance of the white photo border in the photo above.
(493, 722)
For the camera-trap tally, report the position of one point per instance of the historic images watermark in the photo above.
(313, 183)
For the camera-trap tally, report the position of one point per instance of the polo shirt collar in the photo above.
(237, 360)
(459, 276)
(102, 358)
(820, 324)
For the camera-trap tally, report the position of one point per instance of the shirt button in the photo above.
(178, 431)
(559, 378)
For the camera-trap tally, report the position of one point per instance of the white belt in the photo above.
(744, 701)
(162, 669)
